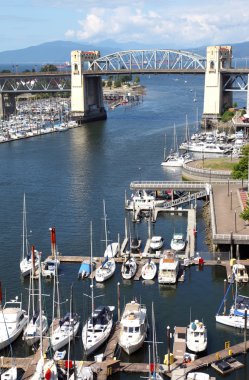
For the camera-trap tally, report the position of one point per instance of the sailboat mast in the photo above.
(105, 224)
(91, 248)
(23, 227)
(40, 304)
(165, 149)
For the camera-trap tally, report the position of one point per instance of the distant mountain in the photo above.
(59, 51)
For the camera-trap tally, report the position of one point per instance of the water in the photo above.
(67, 175)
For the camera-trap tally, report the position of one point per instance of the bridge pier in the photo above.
(216, 100)
(7, 105)
(86, 90)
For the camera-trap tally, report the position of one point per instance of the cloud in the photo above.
(164, 23)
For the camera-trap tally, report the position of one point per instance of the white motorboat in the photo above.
(26, 261)
(67, 329)
(13, 320)
(176, 160)
(196, 336)
(33, 329)
(10, 374)
(144, 201)
(106, 270)
(97, 328)
(133, 327)
(205, 147)
(129, 268)
(178, 242)
(168, 268)
(240, 273)
(149, 270)
(51, 264)
(156, 243)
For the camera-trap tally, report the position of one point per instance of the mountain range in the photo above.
(59, 51)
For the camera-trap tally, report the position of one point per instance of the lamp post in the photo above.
(235, 220)
(118, 294)
(231, 203)
(168, 342)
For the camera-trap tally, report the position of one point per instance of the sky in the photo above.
(162, 23)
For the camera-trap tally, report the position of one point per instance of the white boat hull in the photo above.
(7, 339)
(149, 271)
(131, 347)
(31, 333)
(10, 374)
(232, 321)
(92, 341)
(103, 273)
(62, 336)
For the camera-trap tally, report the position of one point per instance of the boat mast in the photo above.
(164, 149)
(40, 304)
(105, 224)
(91, 250)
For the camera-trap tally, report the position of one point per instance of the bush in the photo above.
(227, 116)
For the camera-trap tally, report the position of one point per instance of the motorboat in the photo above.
(129, 268)
(133, 327)
(111, 250)
(51, 264)
(178, 242)
(67, 329)
(13, 320)
(156, 243)
(144, 201)
(106, 270)
(97, 328)
(149, 270)
(205, 147)
(26, 262)
(240, 273)
(168, 268)
(37, 321)
(196, 336)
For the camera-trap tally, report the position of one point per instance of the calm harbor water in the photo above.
(67, 175)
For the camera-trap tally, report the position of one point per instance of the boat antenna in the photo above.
(1, 295)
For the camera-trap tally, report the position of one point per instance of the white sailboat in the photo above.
(107, 268)
(50, 265)
(98, 327)
(129, 268)
(149, 270)
(31, 333)
(26, 261)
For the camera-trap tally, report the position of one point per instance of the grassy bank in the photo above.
(222, 163)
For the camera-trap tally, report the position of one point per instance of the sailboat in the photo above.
(108, 266)
(175, 159)
(31, 333)
(236, 316)
(45, 369)
(26, 261)
(51, 264)
(98, 326)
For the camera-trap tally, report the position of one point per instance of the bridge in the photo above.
(84, 80)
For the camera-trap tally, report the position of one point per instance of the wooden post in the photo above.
(231, 245)
(245, 330)
(168, 341)
(228, 183)
(225, 290)
(118, 294)
(231, 203)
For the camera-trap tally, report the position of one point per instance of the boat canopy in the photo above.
(100, 315)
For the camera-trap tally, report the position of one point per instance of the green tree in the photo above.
(245, 213)
(137, 80)
(5, 71)
(240, 170)
(117, 83)
(49, 68)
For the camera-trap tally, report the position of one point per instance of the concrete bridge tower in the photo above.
(86, 90)
(215, 99)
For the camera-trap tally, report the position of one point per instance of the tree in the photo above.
(49, 68)
(137, 80)
(245, 213)
(240, 170)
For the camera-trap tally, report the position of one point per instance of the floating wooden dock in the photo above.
(179, 346)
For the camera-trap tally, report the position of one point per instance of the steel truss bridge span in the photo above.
(147, 60)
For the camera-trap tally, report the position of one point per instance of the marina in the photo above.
(70, 201)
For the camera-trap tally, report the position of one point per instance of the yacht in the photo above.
(156, 243)
(129, 268)
(143, 200)
(133, 327)
(196, 336)
(13, 320)
(204, 147)
(178, 242)
(149, 270)
(168, 268)
(174, 160)
(97, 328)
(240, 273)
(106, 270)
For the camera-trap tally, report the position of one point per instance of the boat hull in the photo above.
(232, 321)
(31, 334)
(61, 338)
(11, 338)
(92, 342)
